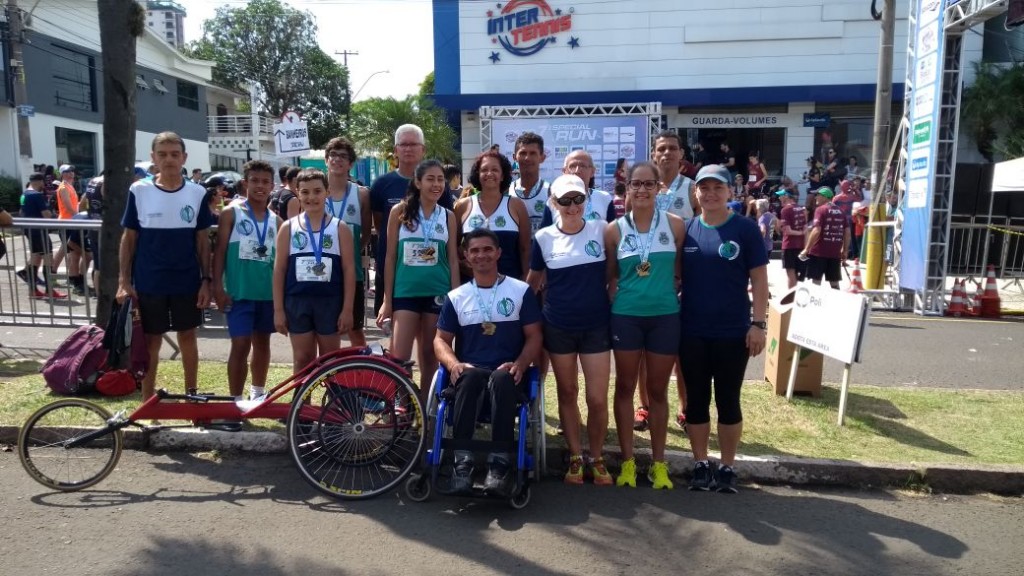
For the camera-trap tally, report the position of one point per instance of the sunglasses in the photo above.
(570, 200)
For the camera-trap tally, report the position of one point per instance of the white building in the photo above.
(167, 20)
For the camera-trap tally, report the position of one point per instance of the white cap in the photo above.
(567, 183)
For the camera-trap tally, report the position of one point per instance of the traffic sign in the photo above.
(26, 110)
(291, 135)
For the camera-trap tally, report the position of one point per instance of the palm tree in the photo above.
(375, 120)
(993, 110)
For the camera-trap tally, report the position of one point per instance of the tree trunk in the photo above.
(121, 22)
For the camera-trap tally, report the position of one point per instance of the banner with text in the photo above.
(605, 138)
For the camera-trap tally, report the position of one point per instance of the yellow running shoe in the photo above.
(658, 475)
(601, 475)
(575, 473)
(627, 475)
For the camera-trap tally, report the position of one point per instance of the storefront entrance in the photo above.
(769, 142)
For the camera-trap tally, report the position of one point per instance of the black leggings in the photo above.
(722, 360)
(469, 396)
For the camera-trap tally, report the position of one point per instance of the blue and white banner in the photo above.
(922, 144)
(605, 138)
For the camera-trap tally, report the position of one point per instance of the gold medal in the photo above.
(489, 328)
(643, 269)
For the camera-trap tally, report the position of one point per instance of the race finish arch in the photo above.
(930, 129)
(606, 131)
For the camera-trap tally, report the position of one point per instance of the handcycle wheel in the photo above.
(355, 428)
(43, 440)
(520, 499)
(417, 487)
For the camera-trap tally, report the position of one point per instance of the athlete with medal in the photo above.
(642, 285)
(530, 187)
(314, 274)
(419, 268)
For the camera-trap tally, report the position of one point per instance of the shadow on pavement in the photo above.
(16, 365)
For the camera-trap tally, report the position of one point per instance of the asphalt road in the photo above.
(900, 350)
(179, 513)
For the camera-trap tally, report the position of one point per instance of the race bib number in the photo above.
(420, 254)
(535, 223)
(307, 270)
(250, 250)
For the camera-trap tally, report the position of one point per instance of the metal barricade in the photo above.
(23, 300)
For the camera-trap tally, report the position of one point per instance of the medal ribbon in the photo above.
(645, 246)
(664, 201)
(344, 202)
(261, 236)
(533, 191)
(428, 225)
(486, 311)
(318, 249)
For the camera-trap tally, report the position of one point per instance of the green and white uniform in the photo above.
(248, 271)
(350, 212)
(422, 268)
(653, 294)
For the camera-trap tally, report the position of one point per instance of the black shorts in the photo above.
(828, 267)
(39, 241)
(656, 334)
(790, 260)
(419, 305)
(162, 313)
(73, 237)
(312, 313)
(558, 341)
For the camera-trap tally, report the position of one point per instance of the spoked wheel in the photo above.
(355, 429)
(68, 445)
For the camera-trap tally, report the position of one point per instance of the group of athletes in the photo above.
(677, 281)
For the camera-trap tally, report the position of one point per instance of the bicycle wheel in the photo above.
(355, 429)
(43, 445)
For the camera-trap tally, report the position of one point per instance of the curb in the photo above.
(777, 470)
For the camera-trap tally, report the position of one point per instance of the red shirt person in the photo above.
(827, 240)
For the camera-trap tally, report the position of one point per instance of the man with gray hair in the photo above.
(388, 190)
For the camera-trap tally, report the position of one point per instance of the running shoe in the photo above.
(725, 480)
(658, 475)
(627, 475)
(54, 293)
(702, 477)
(23, 275)
(600, 473)
(37, 293)
(575, 473)
(640, 422)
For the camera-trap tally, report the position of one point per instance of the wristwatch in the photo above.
(760, 324)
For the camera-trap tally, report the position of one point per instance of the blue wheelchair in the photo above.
(527, 448)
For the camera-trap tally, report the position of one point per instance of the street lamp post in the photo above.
(367, 81)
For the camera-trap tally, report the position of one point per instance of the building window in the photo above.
(73, 79)
(188, 95)
(169, 25)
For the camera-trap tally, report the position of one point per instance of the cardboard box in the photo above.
(779, 353)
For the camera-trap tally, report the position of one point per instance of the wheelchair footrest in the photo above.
(509, 447)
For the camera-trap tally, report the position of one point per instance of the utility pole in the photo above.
(14, 17)
(879, 145)
(348, 94)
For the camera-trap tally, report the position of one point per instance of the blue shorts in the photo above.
(308, 313)
(656, 334)
(247, 317)
(419, 305)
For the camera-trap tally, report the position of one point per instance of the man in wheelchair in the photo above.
(495, 323)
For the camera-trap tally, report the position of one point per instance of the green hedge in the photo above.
(10, 193)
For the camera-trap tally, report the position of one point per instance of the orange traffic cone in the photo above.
(855, 284)
(956, 302)
(990, 304)
(975, 303)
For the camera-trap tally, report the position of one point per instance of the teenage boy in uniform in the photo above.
(165, 257)
(350, 203)
(530, 187)
(243, 275)
(34, 206)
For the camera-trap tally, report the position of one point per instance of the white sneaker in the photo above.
(257, 396)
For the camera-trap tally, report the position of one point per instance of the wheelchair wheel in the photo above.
(43, 440)
(417, 487)
(355, 429)
(519, 500)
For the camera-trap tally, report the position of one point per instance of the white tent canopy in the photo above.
(1009, 176)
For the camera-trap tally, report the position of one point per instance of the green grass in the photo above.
(915, 426)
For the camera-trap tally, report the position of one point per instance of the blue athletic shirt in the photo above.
(716, 265)
(166, 262)
(576, 298)
(302, 278)
(385, 192)
(33, 204)
(505, 227)
(511, 308)
(600, 204)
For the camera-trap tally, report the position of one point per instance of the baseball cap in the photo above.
(140, 172)
(214, 181)
(783, 192)
(36, 177)
(715, 171)
(567, 183)
(736, 206)
(66, 168)
(826, 192)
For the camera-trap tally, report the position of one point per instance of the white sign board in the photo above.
(828, 321)
(291, 136)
